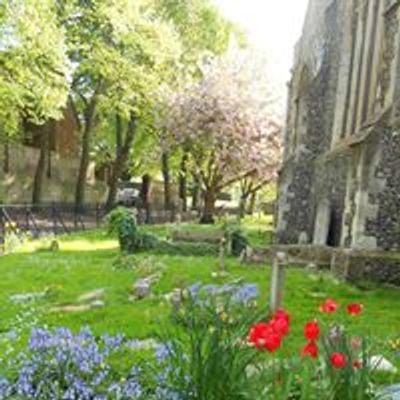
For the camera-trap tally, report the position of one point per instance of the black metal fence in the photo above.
(52, 218)
(64, 218)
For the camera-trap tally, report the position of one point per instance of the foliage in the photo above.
(225, 122)
(60, 365)
(33, 64)
(335, 362)
(239, 242)
(203, 357)
(123, 222)
(224, 143)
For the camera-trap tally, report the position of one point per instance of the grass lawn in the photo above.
(85, 262)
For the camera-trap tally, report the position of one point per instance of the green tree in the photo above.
(33, 75)
(119, 50)
(204, 33)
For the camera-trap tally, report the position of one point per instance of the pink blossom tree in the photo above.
(226, 124)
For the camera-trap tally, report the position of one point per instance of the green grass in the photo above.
(85, 262)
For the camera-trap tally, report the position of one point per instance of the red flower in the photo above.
(338, 360)
(258, 333)
(354, 309)
(312, 330)
(282, 314)
(310, 350)
(280, 326)
(357, 364)
(263, 336)
(330, 306)
(272, 342)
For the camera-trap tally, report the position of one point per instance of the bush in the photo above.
(116, 218)
(123, 222)
(239, 242)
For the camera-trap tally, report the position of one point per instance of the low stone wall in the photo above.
(355, 266)
(195, 237)
(368, 266)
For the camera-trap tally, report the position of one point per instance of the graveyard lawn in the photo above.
(87, 262)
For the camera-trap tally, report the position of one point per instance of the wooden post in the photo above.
(277, 282)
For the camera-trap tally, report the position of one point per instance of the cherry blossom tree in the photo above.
(226, 124)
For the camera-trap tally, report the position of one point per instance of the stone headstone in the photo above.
(303, 238)
(391, 393)
(27, 297)
(70, 308)
(380, 363)
(142, 289)
(176, 298)
(91, 296)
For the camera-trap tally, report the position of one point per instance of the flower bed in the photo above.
(219, 348)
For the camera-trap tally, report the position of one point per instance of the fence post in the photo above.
(27, 217)
(277, 281)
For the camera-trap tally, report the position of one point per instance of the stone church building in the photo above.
(340, 181)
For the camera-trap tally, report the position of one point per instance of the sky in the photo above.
(273, 26)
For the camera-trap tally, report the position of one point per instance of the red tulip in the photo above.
(257, 334)
(312, 330)
(280, 326)
(338, 360)
(272, 342)
(282, 314)
(263, 336)
(330, 306)
(354, 309)
(310, 350)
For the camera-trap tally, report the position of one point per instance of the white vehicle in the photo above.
(127, 197)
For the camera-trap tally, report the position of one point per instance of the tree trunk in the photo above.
(252, 204)
(85, 155)
(167, 180)
(6, 165)
(183, 182)
(208, 211)
(122, 153)
(242, 205)
(37, 191)
(195, 193)
(145, 196)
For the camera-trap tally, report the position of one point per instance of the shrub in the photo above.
(116, 218)
(123, 222)
(239, 242)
